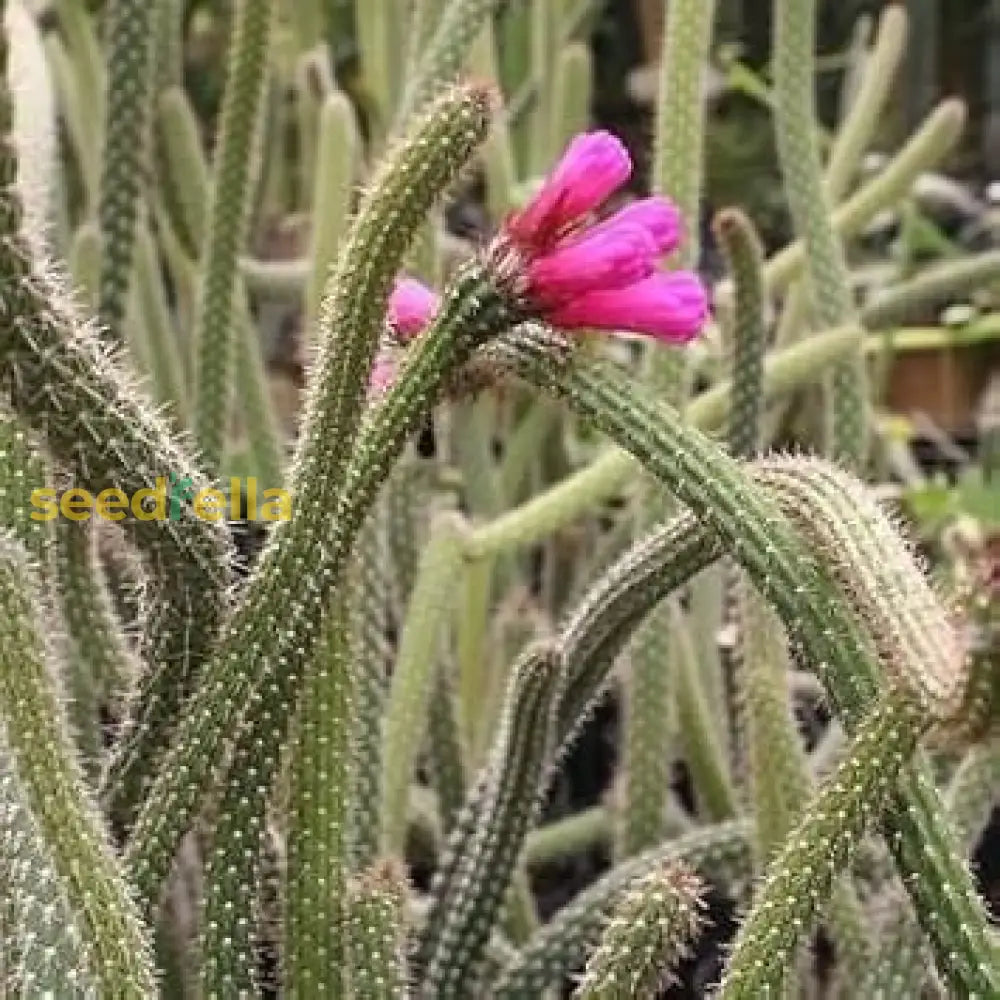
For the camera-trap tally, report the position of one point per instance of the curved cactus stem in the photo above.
(465, 906)
(468, 314)
(650, 930)
(608, 474)
(819, 848)
(559, 947)
(814, 612)
(114, 939)
(67, 389)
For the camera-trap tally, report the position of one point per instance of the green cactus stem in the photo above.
(260, 648)
(67, 390)
(318, 838)
(465, 906)
(608, 474)
(43, 948)
(114, 939)
(826, 266)
(418, 659)
(560, 946)
(376, 935)
(648, 933)
(127, 112)
(819, 848)
(229, 212)
(812, 609)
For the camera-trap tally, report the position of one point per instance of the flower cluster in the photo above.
(576, 273)
(557, 262)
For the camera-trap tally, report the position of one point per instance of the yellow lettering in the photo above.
(111, 504)
(44, 498)
(75, 505)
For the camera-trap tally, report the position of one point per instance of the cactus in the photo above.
(647, 935)
(337, 759)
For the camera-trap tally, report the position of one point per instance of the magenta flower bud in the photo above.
(594, 165)
(608, 256)
(668, 306)
(658, 215)
(412, 306)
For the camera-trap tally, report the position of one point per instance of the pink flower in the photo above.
(659, 216)
(594, 165)
(575, 274)
(672, 307)
(608, 256)
(412, 306)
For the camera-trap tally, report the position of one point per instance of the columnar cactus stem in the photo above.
(319, 834)
(814, 612)
(66, 388)
(465, 907)
(826, 268)
(331, 197)
(376, 935)
(935, 138)
(229, 214)
(560, 946)
(419, 655)
(126, 146)
(649, 932)
(444, 55)
(115, 941)
(820, 847)
(43, 949)
(852, 139)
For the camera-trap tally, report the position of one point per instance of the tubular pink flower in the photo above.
(609, 256)
(671, 307)
(594, 165)
(412, 306)
(658, 215)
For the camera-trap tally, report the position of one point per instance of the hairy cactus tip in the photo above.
(554, 262)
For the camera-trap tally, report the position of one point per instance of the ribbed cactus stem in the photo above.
(43, 949)
(649, 932)
(826, 267)
(76, 399)
(277, 658)
(918, 643)
(464, 908)
(819, 848)
(606, 476)
(935, 138)
(445, 52)
(412, 684)
(811, 607)
(319, 833)
(369, 604)
(331, 198)
(376, 933)
(852, 139)
(229, 214)
(115, 941)
(717, 852)
(127, 111)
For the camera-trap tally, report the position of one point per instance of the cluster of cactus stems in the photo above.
(220, 777)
